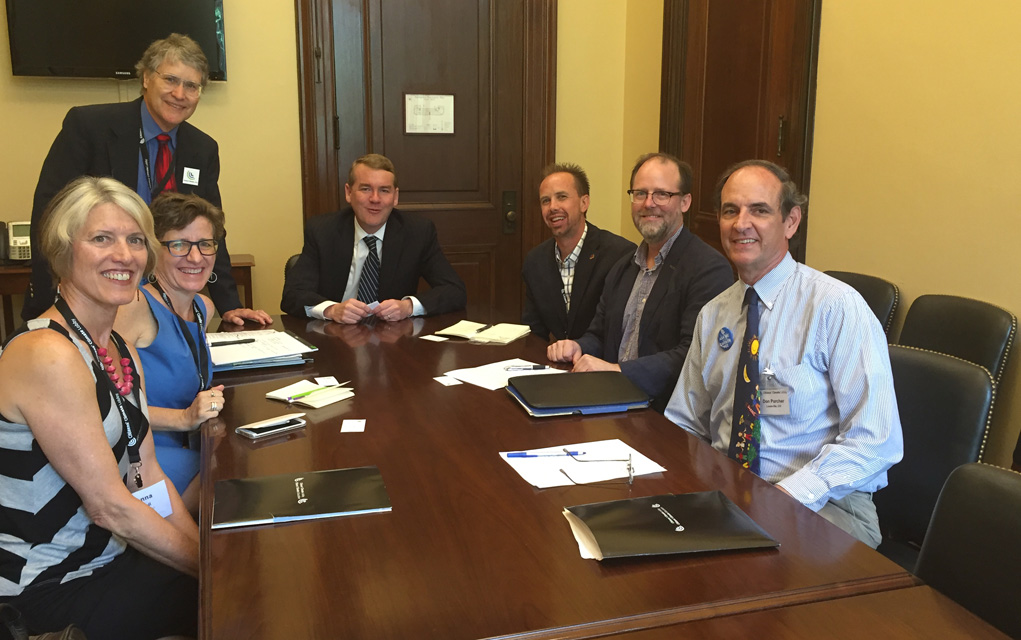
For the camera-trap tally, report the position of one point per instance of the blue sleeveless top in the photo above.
(172, 382)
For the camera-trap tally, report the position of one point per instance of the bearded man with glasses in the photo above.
(651, 298)
(148, 145)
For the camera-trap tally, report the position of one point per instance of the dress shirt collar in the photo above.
(573, 258)
(642, 253)
(150, 129)
(360, 233)
(770, 285)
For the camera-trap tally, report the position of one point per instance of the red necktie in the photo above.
(163, 164)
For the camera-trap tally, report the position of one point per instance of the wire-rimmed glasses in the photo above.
(623, 481)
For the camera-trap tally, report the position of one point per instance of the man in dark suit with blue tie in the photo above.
(366, 260)
(148, 145)
(564, 275)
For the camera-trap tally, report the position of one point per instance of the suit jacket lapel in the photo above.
(583, 272)
(123, 144)
(666, 278)
(393, 248)
(345, 243)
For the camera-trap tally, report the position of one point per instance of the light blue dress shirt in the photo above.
(820, 341)
(149, 131)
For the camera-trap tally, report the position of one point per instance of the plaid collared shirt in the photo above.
(567, 266)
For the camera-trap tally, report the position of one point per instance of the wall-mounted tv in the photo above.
(105, 38)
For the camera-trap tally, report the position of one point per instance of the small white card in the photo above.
(447, 381)
(191, 176)
(157, 497)
(327, 381)
(372, 305)
(433, 338)
(353, 426)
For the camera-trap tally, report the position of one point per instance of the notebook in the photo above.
(503, 333)
(576, 393)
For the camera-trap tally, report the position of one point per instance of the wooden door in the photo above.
(360, 62)
(739, 83)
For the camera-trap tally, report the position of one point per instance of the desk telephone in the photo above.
(15, 243)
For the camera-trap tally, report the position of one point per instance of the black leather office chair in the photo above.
(945, 405)
(974, 532)
(290, 265)
(882, 296)
(971, 329)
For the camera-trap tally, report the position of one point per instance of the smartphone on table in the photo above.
(272, 426)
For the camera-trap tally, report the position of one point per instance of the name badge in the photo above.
(157, 497)
(774, 399)
(191, 176)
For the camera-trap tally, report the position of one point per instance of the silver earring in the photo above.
(213, 277)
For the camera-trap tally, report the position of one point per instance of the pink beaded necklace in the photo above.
(123, 387)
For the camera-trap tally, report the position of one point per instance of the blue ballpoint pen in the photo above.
(525, 454)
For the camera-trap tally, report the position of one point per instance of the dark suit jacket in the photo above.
(410, 251)
(544, 301)
(693, 273)
(102, 140)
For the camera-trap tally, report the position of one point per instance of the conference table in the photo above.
(470, 550)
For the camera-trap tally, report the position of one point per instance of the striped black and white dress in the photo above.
(45, 533)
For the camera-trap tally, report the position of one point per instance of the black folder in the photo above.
(664, 524)
(298, 496)
(576, 393)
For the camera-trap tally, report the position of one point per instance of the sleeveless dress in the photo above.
(172, 381)
(45, 533)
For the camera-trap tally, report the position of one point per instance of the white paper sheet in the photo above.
(605, 463)
(494, 376)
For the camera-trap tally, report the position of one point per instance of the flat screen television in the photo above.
(105, 38)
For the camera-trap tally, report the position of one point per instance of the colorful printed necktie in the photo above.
(368, 283)
(163, 165)
(745, 433)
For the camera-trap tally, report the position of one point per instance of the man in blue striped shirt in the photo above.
(828, 427)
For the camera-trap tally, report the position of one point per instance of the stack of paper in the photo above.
(256, 349)
(494, 376)
(309, 394)
(502, 333)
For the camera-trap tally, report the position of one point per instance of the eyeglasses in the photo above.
(181, 248)
(638, 196)
(190, 88)
(628, 481)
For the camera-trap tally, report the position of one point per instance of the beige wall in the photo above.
(253, 116)
(917, 156)
(608, 76)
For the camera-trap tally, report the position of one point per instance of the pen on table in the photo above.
(525, 454)
(232, 342)
(307, 393)
(525, 367)
(488, 326)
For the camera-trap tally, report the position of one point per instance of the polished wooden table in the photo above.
(14, 281)
(917, 613)
(470, 550)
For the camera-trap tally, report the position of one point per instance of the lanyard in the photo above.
(198, 355)
(144, 149)
(131, 415)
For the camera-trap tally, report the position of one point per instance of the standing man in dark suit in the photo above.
(647, 311)
(147, 145)
(370, 257)
(564, 275)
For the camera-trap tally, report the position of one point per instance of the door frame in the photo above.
(676, 98)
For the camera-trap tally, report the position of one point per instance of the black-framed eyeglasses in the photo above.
(639, 196)
(190, 88)
(623, 481)
(181, 248)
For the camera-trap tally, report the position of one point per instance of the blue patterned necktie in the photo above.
(368, 283)
(745, 433)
